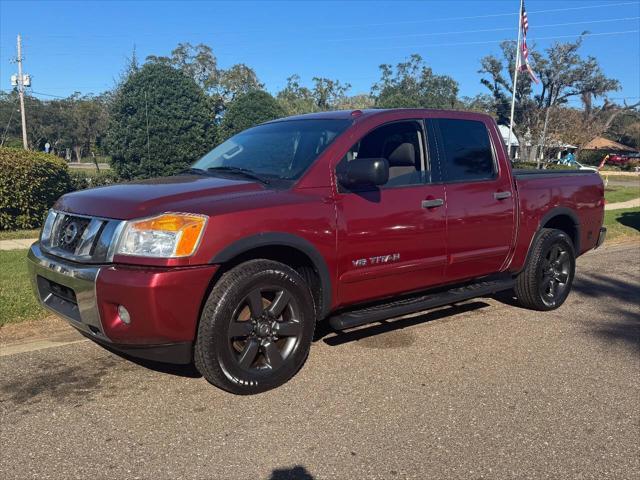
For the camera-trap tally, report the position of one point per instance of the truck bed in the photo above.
(533, 172)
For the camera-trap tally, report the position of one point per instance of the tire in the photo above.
(546, 280)
(256, 328)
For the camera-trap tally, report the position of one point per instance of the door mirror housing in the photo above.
(363, 172)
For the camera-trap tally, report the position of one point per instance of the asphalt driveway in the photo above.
(479, 390)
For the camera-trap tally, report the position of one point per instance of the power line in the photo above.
(46, 94)
(6, 129)
(457, 32)
(487, 42)
(360, 25)
(484, 30)
(490, 15)
(447, 44)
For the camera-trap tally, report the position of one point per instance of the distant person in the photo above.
(570, 158)
(47, 147)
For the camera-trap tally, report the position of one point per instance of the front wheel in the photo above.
(546, 281)
(256, 328)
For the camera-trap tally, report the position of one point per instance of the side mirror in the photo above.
(363, 172)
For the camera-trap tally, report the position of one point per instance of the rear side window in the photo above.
(466, 149)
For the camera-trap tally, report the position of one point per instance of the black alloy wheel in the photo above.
(256, 328)
(556, 271)
(265, 329)
(546, 280)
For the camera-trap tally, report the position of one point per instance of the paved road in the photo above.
(482, 390)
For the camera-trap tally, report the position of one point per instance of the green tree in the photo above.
(296, 99)
(160, 122)
(247, 111)
(356, 102)
(414, 85)
(564, 74)
(85, 120)
(235, 81)
(197, 62)
(626, 128)
(479, 103)
(328, 93)
(200, 63)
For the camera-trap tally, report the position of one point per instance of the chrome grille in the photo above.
(81, 238)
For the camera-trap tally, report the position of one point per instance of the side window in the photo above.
(401, 144)
(466, 149)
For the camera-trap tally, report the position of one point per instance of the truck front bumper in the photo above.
(163, 303)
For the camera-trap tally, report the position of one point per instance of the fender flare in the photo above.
(281, 239)
(554, 212)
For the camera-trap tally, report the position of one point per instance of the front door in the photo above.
(391, 239)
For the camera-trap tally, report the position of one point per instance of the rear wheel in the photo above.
(256, 328)
(546, 281)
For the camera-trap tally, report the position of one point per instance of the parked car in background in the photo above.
(346, 217)
(616, 159)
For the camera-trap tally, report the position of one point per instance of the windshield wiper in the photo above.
(245, 172)
(194, 171)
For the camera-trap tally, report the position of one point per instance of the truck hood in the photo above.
(189, 193)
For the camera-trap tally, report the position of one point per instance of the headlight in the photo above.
(45, 235)
(168, 235)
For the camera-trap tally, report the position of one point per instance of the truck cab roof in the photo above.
(380, 112)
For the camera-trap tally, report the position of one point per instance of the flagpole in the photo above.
(515, 77)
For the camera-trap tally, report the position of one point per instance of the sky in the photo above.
(83, 46)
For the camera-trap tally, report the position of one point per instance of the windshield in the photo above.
(281, 150)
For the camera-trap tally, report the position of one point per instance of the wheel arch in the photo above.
(290, 249)
(565, 220)
(560, 218)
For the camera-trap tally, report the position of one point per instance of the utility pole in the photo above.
(21, 95)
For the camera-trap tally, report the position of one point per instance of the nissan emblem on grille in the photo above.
(69, 234)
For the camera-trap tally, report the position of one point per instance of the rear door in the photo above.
(391, 239)
(479, 198)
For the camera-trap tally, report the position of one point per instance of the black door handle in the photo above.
(436, 202)
(501, 195)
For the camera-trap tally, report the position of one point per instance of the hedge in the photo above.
(548, 166)
(30, 183)
(82, 179)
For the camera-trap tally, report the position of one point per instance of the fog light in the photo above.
(123, 313)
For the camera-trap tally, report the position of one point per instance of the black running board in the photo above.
(398, 308)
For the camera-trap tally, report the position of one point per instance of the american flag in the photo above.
(524, 66)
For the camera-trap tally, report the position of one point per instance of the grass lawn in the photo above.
(18, 234)
(621, 194)
(17, 301)
(622, 223)
(621, 178)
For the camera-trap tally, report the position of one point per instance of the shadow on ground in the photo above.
(295, 473)
(623, 300)
(630, 219)
(188, 371)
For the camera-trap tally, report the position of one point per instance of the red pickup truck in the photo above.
(349, 217)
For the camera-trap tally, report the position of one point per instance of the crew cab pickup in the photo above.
(347, 217)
